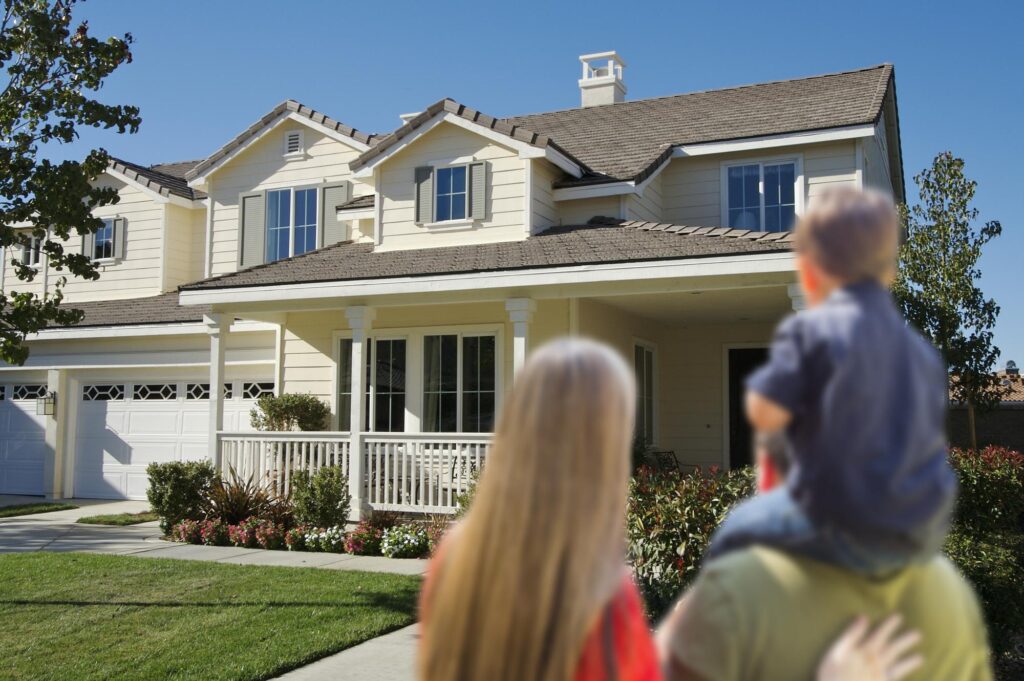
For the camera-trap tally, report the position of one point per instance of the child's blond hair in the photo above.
(851, 234)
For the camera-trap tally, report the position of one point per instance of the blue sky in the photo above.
(203, 71)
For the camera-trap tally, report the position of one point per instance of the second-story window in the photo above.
(291, 222)
(33, 252)
(103, 247)
(761, 196)
(451, 195)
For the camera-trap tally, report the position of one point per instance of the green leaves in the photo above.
(52, 68)
(937, 283)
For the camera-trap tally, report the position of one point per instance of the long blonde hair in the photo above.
(541, 552)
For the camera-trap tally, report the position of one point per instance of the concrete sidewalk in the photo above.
(58, 531)
(391, 657)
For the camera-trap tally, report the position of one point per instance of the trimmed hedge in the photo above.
(321, 499)
(178, 490)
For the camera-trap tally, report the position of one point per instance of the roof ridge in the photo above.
(832, 74)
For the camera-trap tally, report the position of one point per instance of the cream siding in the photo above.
(579, 211)
(543, 210)
(648, 205)
(692, 192)
(183, 246)
(445, 144)
(263, 166)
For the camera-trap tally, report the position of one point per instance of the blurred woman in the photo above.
(533, 585)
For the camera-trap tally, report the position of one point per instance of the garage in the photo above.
(122, 427)
(23, 448)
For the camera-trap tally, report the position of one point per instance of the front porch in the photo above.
(438, 363)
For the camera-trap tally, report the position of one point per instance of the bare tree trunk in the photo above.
(970, 425)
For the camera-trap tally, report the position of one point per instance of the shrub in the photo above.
(991, 489)
(365, 540)
(235, 500)
(321, 500)
(327, 540)
(405, 541)
(670, 520)
(243, 534)
(269, 535)
(436, 527)
(187, 532)
(290, 411)
(295, 538)
(213, 533)
(177, 489)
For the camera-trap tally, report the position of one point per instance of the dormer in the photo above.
(602, 81)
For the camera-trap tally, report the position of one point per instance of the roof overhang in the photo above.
(158, 193)
(477, 283)
(522, 148)
(356, 213)
(849, 132)
(250, 137)
(140, 330)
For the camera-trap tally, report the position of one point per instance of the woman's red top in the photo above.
(620, 647)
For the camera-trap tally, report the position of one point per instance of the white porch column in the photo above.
(796, 297)
(217, 328)
(360, 320)
(520, 313)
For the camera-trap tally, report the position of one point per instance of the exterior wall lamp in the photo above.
(46, 405)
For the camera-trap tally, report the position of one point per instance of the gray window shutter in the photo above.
(252, 210)
(424, 194)
(334, 230)
(22, 256)
(89, 245)
(119, 238)
(478, 190)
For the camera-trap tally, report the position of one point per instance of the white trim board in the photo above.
(182, 329)
(549, 276)
(525, 151)
(770, 141)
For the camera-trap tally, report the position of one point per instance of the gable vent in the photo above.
(293, 142)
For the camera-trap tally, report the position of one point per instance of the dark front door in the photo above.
(742, 361)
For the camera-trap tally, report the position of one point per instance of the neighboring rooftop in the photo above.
(164, 178)
(161, 309)
(603, 240)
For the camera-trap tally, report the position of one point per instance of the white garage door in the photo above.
(123, 427)
(22, 439)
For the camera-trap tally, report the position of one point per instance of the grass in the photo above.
(83, 616)
(119, 518)
(30, 509)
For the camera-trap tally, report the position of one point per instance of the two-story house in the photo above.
(431, 259)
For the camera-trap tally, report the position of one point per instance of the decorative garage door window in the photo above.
(156, 391)
(229, 391)
(252, 391)
(197, 391)
(29, 391)
(3, 392)
(102, 393)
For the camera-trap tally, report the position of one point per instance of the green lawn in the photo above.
(29, 509)
(81, 616)
(120, 518)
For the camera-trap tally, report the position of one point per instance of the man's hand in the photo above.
(765, 415)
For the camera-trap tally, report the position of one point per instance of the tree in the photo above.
(937, 283)
(51, 68)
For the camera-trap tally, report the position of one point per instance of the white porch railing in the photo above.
(272, 458)
(422, 473)
(406, 472)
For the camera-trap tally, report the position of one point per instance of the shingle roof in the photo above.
(163, 178)
(623, 141)
(360, 202)
(289, 105)
(161, 309)
(514, 131)
(603, 240)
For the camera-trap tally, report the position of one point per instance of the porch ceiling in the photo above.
(684, 308)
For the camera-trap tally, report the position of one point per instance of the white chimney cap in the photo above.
(603, 55)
